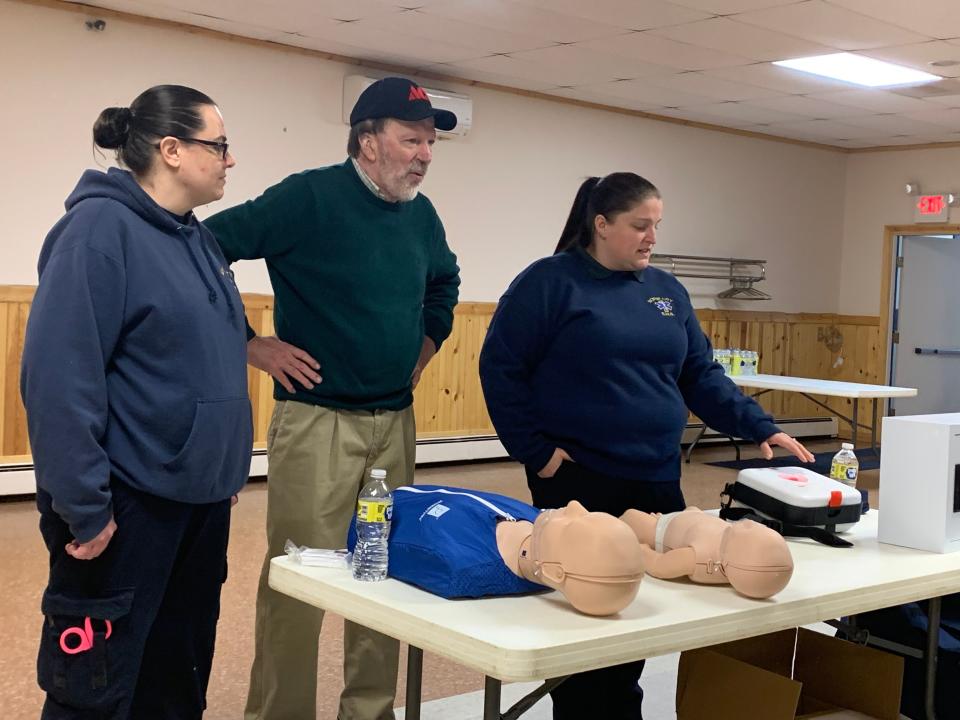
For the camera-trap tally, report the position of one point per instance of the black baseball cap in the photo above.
(401, 99)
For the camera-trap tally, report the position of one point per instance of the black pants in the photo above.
(158, 583)
(612, 693)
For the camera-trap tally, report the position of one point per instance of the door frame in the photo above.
(890, 233)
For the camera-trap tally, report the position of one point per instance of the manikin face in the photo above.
(594, 559)
(203, 168)
(400, 155)
(625, 241)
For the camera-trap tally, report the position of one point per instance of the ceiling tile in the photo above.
(702, 115)
(935, 18)
(712, 88)
(777, 78)
(416, 49)
(337, 9)
(819, 22)
(597, 96)
(504, 15)
(254, 19)
(416, 23)
(581, 66)
(902, 140)
(555, 72)
(462, 72)
(825, 129)
(746, 113)
(628, 14)
(809, 107)
(877, 101)
(741, 39)
(848, 143)
(663, 51)
(644, 92)
(946, 100)
(946, 117)
(946, 137)
(729, 7)
(893, 125)
(920, 55)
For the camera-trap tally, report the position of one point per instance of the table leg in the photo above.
(700, 433)
(414, 682)
(873, 428)
(854, 422)
(933, 646)
(491, 699)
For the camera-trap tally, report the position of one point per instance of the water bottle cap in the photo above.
(846, 446)
(378, 474)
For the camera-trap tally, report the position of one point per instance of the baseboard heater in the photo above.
(18, 479)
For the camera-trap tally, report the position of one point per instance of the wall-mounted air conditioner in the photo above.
(459, 105)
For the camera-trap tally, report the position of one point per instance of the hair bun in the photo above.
(112, 128)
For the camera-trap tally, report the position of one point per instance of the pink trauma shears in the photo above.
(85, 635)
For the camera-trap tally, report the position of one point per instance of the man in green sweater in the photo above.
(365, 287)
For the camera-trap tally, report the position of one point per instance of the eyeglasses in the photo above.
(222, 147)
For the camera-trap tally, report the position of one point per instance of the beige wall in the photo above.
(875, 197)
(503, 192)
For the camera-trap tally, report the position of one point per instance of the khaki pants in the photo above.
(319, 461)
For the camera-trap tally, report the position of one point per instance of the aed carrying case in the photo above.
(794, 501)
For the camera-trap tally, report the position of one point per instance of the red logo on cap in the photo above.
(417, 93)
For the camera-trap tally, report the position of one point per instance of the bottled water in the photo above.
(723, 357)
(736, 361)
(845, 467)
(374, 511)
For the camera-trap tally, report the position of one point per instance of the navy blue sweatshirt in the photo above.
(604, 365)
(134, 363)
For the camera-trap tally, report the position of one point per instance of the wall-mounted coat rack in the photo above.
(741, 273)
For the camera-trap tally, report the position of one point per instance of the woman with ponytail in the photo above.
(134, 381)
(589, 367)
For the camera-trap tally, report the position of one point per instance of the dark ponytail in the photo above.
(156, 113)
(608, 196)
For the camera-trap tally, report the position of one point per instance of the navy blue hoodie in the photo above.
(134, 363)
(604, 365)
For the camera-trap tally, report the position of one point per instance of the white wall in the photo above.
(875, 197)
(503, 192)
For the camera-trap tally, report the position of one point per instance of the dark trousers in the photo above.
(158, 583)
(612, 693)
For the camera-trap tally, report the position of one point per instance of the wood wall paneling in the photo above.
(449, 400)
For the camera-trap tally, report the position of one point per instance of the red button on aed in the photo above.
(836, 497)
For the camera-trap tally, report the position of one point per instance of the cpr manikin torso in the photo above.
(754, 559)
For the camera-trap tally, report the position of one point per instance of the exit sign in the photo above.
(931, 208)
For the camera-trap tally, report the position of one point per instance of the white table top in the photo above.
(535, 637)
(814, 386)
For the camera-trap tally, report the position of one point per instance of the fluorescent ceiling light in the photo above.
(858, 69)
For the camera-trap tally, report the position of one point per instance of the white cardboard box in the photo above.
(920, 482)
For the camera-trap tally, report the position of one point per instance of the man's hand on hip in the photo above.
(284, 362)
(427, 351)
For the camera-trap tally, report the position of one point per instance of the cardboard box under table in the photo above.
(788, 675)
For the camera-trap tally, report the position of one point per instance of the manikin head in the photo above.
(755, 559)
(593, 558)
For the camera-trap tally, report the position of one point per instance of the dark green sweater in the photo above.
(358, 282)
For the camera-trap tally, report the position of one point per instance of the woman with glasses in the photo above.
(134, 381)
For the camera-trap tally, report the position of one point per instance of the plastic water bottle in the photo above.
(845, 467)
(374, 512)
(723, 357)
(736, 361)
